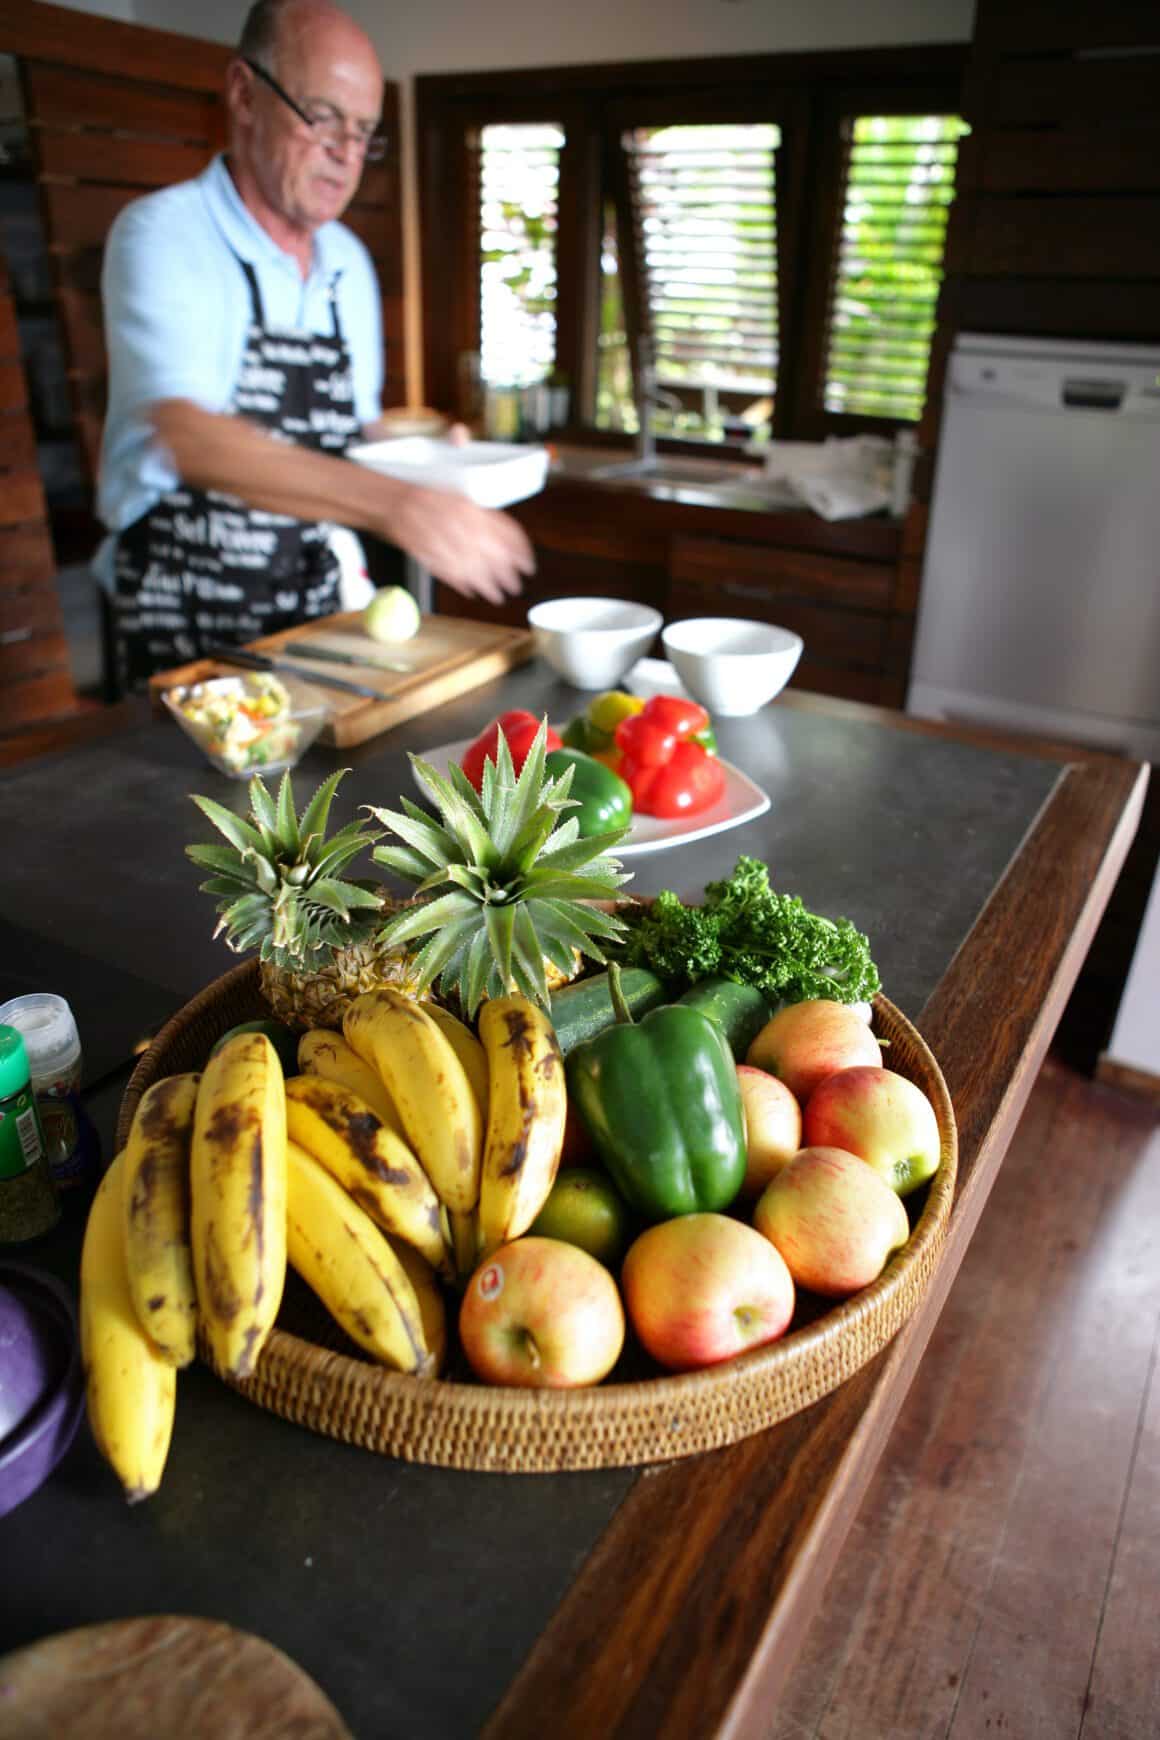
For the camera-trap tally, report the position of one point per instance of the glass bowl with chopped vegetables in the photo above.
(256, 723)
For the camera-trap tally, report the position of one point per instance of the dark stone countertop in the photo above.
(411, 1594)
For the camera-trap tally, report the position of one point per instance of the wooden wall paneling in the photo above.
(26, 554)
(21, 498)
(129, 103)
(1083, 159)
(32, 30)
(110, 158)
(1051, 307)
(35, 679)
(1067, 236)
(99, 142)
(1033, 26)
(1117, 90)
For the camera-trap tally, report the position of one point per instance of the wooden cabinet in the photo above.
(845, 588)
(841, 607)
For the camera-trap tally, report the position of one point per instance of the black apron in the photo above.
(200, 566)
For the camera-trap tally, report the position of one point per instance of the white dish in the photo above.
(743, 801)
(492, 473)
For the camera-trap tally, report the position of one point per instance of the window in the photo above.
(899, 182)
(519, 175)
(703, 214)
(771, 230)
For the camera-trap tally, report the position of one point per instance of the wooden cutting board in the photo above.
(448, 656)
(165, 1677)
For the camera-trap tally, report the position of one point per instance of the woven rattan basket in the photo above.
(309, 1373)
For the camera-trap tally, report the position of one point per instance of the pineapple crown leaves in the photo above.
(508, 879)
(279, 879)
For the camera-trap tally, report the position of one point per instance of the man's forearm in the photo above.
(211, 451)
(475, 550)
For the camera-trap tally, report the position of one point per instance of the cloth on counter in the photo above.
(840, 478)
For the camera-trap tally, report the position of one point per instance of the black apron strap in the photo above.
(259, 312)
(335, 325)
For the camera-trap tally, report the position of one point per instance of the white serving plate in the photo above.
(492, 473)
(742, 801)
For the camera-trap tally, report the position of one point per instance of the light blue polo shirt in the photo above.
(177, 307)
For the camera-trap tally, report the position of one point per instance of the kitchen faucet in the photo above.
(648, 397)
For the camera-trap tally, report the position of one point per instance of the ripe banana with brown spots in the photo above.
(238, 1199)
(433, 1097)
(527, 1106)
(343, 1257)
(467, 1049)
(130, 1387)
(432, 1310)
(155, 1212)
(373, 1164)
(325, 1053)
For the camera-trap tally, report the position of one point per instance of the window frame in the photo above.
(809, 96)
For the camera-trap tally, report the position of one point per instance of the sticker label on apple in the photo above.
(491, 1282)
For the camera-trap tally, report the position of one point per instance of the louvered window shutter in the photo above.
(899, 182)
(705, 220)
(519, 175)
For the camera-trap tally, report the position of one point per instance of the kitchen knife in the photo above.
(256, 661)
(331, 655)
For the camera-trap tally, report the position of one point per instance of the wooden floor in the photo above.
(1003, 1577)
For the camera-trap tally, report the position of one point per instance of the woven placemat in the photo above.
(309, 1373)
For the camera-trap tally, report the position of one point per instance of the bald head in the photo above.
(323, 65)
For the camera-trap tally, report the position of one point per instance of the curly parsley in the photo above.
(746, 931)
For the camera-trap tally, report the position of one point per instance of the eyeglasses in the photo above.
(328, 124)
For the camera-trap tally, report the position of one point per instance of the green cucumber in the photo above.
(584, 1008)
(740, 1011)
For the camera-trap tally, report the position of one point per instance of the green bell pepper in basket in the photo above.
(660, 1100)
(605, 801)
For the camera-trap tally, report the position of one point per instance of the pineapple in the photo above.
(503, 883)
(281, 890)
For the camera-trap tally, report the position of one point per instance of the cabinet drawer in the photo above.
(832, 635)
(746, 573)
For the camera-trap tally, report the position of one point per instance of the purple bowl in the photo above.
(42, 1392)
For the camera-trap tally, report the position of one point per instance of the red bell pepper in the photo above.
(519, 728)
(669, 772)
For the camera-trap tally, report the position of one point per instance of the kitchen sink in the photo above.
(705, 473)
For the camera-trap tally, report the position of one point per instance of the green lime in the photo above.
(283, 1039)
(584, 1208)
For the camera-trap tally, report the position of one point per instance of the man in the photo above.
(245, 355)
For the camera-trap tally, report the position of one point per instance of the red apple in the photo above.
(833, 1219)
(702, 1288)
(541, 1313)
(805, 1042)
(773, 1126)
(880, 1116)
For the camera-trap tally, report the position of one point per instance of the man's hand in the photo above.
(474, 550)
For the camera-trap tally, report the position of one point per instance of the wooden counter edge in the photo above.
(687, 1614)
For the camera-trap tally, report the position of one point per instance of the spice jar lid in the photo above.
(49, 1029)
(13, 1061)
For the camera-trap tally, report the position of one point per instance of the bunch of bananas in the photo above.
(225, 1177)
(484, 1115)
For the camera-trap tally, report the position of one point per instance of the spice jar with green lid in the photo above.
(28, 1200)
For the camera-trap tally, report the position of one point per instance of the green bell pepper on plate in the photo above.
(605, 800)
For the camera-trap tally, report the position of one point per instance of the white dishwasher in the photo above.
(1040, 602)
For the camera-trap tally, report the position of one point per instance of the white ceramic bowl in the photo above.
(592, 642)
(730, 665)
